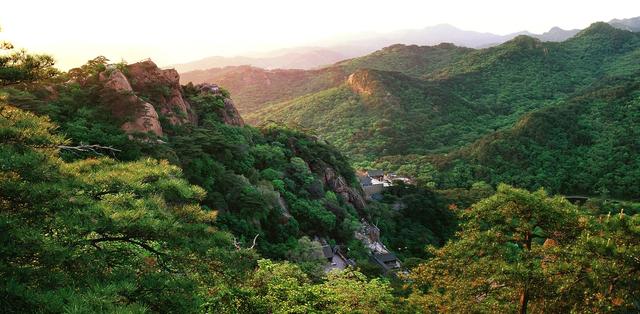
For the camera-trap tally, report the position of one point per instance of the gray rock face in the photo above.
(339, 185)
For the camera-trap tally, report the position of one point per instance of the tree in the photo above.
(102, 235)
(21, 67)
(284, 288)
(498, 263)
(603, 275)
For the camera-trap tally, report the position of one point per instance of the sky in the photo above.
(172, 32)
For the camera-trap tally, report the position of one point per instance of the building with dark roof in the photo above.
(327, 252)
(388, 261)
(378, 174)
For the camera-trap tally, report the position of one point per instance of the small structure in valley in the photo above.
(388, 261)
(373, 182)
(375, 174)
(334, 256)
(369, 235)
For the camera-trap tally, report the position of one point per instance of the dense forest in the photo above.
(529, 113)
(123, 191)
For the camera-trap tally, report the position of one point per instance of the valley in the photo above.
(396, 173)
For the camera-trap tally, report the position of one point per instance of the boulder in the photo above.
(124, 102)
(163, 87)
(115, 80)
(145, 121)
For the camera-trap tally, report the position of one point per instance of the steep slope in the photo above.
(377, 113)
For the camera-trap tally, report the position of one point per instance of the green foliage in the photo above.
(581, 146)
(22, 67)
(411, 60)
(519, 250)
(286, 289)
(101, 234)
(410, 219)
(530, 113)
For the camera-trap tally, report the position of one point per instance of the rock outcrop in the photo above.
(364, 82)
(339, 185)
(124, 101)
(163, 89)
(147, 93)
(146, 121)
(228, 114)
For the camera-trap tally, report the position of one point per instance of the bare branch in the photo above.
(254, 241)
(95, 149)
(238, 247)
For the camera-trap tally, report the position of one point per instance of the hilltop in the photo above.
(455, 97)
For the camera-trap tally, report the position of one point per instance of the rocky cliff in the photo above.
(117, 87)
(162, 87)
(145, 92)
(364, 82)
(339, 185)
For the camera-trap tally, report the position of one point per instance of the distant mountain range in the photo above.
(527, 112)
(314, 57)
(295, 58)
(632, 24)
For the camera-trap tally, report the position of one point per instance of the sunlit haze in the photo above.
(180, 31)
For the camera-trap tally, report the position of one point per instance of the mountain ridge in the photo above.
(390, 112)
(329, 53)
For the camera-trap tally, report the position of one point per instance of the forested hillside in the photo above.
(586, 145)
(439, 109)
(124, 191)
(256, 88)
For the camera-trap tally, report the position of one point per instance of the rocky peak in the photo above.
(364, 82)
(147, 92)
(162, 87)
(123, 100)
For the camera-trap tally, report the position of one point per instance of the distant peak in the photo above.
(525, 40)
(443, 26)
(598, 28)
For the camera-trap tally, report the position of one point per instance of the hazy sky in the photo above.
(184, 30)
